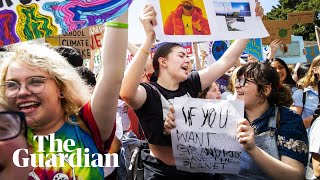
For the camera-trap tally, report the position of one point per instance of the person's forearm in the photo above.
(134, 71)
(275, 168)
(196, 58)
(113, 58)
(307, 121)
(132, 48)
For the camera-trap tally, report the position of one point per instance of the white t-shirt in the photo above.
(314, 144)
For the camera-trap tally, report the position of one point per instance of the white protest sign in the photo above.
(211, 20)
(204, 139)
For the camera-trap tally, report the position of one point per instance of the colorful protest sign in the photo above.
(312, 52)
(204, 139)
(277, 29)
(96, 36)
(186, 45)
(79, 39)
(292, 53)
(214, 49)
(215, 20)
(301, 17)
(254, 47)
(32, 19)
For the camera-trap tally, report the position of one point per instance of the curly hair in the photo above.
(263, 75)
(76, 92)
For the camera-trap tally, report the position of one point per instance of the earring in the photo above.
(61, 95)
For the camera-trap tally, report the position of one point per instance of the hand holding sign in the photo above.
(245, 135)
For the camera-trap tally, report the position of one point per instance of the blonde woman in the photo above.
(39, 82)
(310, 85)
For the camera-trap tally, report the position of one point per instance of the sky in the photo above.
(136, 32)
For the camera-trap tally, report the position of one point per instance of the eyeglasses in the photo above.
(243, 81)
(11, 124)
(35, 85)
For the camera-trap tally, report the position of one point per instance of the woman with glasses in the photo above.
(171, 78)
(13, 136)
(39, 82)
(274, 141)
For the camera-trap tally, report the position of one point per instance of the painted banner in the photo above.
(209, 20)
(301, 17)
(215, 49)
(309, 43)
(292, 53)
(31, 19)
(312, 52)
(277, 29)
(204, 139)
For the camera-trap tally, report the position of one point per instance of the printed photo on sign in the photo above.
(211, 20)
(184, 17)
(234, 14)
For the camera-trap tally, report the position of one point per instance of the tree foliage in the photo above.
(286, 6)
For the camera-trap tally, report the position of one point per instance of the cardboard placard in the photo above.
(277, 29)
(96, 36)
(301, 17)
(79, 39)
(309, 43)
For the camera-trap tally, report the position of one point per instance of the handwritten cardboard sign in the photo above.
(204, 139)
(79, 39)
(277, 29)
(301, 17)
(31, 19)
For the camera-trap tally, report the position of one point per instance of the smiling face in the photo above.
(248, 92)
(281, 70)
(42, 110)
(177, 64)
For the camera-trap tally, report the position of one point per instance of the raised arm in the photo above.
(217, 69)
(196, 56)
(105, 96)
(131, 92)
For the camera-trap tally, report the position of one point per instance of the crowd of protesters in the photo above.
(46, 90)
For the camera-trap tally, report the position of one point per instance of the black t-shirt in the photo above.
(150, 114)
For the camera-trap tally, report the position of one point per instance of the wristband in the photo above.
(117, 25)
(144, 51)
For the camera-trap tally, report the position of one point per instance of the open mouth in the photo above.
(185, 68)
(1, 167)
(28, 106)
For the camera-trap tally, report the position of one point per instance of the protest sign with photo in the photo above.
(204, 139)
(292, 53)
(277, 29)
(213, 20)
(27, 20)
(301, 17)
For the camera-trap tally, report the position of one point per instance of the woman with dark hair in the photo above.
(286, 79)
(273, 137)
(170, 79)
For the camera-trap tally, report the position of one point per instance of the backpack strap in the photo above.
(165, 106)
(304, 98)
